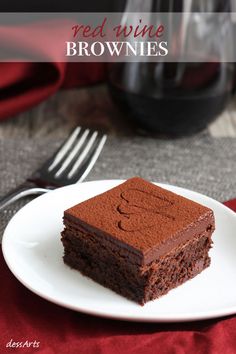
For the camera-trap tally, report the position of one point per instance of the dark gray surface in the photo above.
(202, 163)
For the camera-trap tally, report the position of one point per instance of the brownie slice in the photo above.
(138, 239)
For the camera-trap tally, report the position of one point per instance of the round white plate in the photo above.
(33, 252)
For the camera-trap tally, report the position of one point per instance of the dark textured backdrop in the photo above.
(60, 6)
(202, 163)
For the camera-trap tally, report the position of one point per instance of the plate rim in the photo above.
(202, 315)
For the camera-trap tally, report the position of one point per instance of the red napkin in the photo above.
(24, 84)
(26, 318)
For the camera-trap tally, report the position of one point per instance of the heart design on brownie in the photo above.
(137, 206)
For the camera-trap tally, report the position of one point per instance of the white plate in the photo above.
(33, 252)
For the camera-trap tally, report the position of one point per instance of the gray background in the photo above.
(201, 163)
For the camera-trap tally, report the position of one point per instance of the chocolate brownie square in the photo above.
(138, 239)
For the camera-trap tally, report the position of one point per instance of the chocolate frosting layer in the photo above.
(144, 219)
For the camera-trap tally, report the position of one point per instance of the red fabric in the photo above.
(25, 84)
(25, 316)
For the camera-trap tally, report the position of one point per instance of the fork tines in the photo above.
(76, 157)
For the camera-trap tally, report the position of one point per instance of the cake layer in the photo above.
(103, 240)
(178, 266)
(108, 267)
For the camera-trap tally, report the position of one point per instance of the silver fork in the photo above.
(70, 164)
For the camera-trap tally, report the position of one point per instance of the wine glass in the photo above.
(184, 92)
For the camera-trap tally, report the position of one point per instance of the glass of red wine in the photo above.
(183, 95)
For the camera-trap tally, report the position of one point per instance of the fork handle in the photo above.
(21, 191)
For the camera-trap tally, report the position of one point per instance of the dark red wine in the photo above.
(172, 99)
